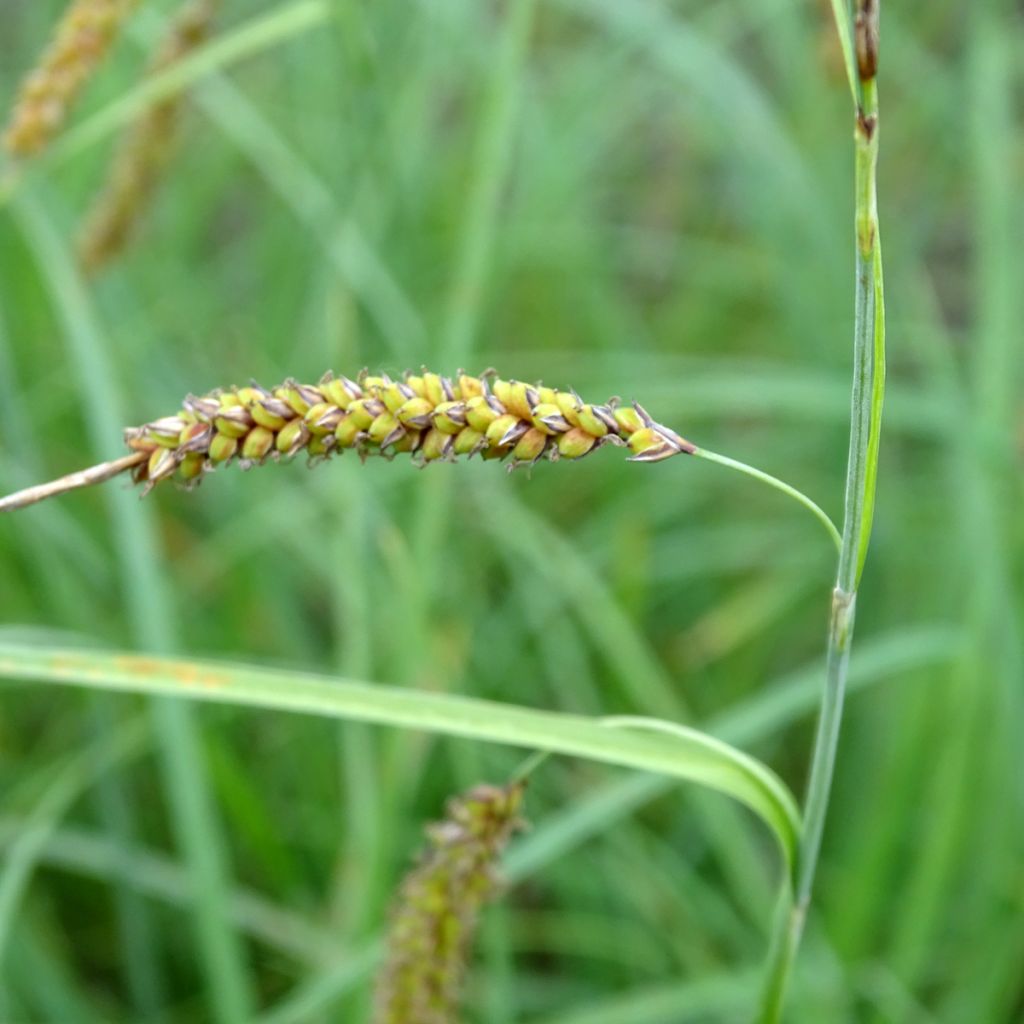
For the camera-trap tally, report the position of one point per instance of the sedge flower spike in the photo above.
(80, 42)
(438, 906)
(428, 416)
(145, 149)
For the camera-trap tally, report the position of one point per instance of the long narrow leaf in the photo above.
(685, 753)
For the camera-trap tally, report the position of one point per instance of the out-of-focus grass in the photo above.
(674, 225)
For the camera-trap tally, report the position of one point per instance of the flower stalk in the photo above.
(779, 485)
(862, 466)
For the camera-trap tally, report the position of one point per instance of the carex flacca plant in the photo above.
(432, 419)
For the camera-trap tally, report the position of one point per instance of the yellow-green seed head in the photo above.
(196, 438)
(249, 396)
(203, 409)
(427, 416)
(299, 397)
(408, 442)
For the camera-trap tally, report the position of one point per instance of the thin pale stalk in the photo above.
(865, 424)
(780, 485)
(72, 482)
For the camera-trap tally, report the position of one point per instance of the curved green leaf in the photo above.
(667, 749)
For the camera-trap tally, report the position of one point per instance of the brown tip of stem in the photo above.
(866, 39)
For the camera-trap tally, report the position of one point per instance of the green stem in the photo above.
(779, 485)
(865, 425)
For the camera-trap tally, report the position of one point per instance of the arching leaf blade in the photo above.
(681, 753)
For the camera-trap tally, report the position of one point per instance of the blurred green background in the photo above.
(636, 197)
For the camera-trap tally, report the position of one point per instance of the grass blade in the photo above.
(686, 754)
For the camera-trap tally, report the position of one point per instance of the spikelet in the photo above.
(81, 40)
(436, 912)
(145, 148)
(428, 416)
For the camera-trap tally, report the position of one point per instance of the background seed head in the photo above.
(79, 44)
(145, 149)
(435, 915)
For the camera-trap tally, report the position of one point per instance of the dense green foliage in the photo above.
(648, 198)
